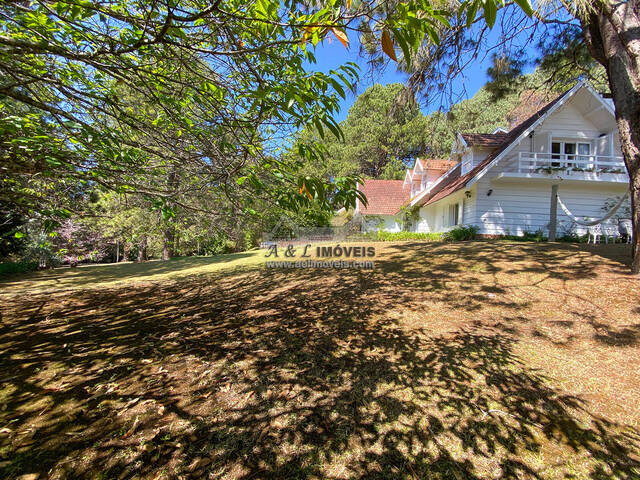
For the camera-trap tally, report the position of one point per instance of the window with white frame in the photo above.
(467, 162)
(454, 215)
(564, 152)
(584, 150)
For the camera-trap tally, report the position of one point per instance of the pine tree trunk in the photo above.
(627, 102)
(125, 251)
(167, 242)
(635, 208)
(142, 249)
(166, 254)
(169, 233)
(612, 34)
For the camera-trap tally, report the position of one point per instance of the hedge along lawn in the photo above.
(464, 361)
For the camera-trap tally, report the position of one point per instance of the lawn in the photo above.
(479, 360)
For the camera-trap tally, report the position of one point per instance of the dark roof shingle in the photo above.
(484, 139)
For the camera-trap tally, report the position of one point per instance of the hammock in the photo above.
(594, 222)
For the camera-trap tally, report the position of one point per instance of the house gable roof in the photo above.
(432, 164)
(385, 197)
(455, 181)
(437, 163)
(426, 165)
(484, 139)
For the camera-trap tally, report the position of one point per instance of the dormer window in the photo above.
(467, 162)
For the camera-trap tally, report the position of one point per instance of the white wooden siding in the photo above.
(469, 208)
(434, 217)
(523, 204)
(517, 207)
(568, 122)
(426, 221)
(479, 154)
(541, 142)
(390, 223)
(467, 162)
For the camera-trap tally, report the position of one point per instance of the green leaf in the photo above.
(525, 5)
(490, 10)
(318, 125)
(471, 13)
(397, 34)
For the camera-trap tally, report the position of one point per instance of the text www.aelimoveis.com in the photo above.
(363, 264)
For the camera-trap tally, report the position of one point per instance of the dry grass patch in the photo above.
(461, 361)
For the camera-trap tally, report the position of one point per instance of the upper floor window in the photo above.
(566, 151)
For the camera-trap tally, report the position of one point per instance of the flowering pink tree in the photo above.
(75, 242)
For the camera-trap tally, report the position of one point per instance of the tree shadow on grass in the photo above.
(65, 277)
(271, 374)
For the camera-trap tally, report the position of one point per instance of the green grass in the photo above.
(474, 360)
(111, 275)
(403, 236)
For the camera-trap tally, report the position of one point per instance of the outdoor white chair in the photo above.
(595, 232)
(625, 228)
(610, 232)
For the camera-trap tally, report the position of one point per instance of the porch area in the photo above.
(570, 167)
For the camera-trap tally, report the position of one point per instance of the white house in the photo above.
(502, 182)
(388, 199)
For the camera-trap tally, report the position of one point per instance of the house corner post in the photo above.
(553, 213)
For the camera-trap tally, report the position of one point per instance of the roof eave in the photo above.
(413, 202)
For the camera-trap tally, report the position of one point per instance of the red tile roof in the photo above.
(385, 197)
(455, 181)
(484, 139)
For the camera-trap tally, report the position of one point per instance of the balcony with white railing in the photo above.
(566, 166)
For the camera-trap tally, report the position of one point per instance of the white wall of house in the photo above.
(426, 222)
(440, 216)
(388, 223)
(466, 160)
(469, 207)
(515, 205)
(568, 121)
(519, 206)
(472, 157)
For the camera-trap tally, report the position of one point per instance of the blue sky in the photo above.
(331, 54)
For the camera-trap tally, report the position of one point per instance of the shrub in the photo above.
(9, 268)
(383, 236)
(527, 236)
(461, 233)
(572, 238)
(536, 236)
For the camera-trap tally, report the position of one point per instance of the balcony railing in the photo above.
(569, 164)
